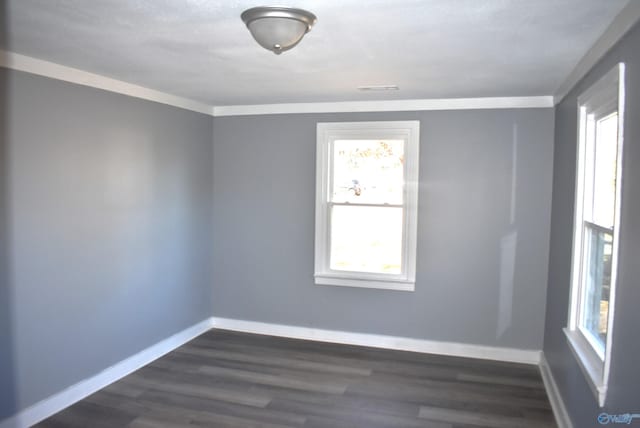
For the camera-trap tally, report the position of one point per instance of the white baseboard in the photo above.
(53, 404)
(525, 356)
(557, 403)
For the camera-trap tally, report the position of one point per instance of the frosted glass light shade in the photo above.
(278, 29)
(277, 34)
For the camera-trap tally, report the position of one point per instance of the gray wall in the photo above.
(110, 207)
(264, 186)
(624, 384)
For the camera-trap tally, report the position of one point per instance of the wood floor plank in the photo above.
(329, 387)
(125, 390)
(354, 402)
(290, 363)
(84, 414)
(205, 391)
(227, 379)
(421, 393)
(158, 421)
(475, 418)
(532, 384)
(199, 409)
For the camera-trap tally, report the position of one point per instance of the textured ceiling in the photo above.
(201, 50)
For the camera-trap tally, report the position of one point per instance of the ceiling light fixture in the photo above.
(276, 28)
(378, 88)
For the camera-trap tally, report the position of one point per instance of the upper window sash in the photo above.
(372, 196)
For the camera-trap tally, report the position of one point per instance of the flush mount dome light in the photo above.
(276, 28)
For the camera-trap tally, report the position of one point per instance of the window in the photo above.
(597, 213)
(367, 204)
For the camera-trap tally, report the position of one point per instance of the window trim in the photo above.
(330, 131)
(602, 98)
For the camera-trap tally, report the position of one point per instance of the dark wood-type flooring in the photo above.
(230, 379)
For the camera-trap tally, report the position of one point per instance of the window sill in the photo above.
(399, 285)
(590, 364)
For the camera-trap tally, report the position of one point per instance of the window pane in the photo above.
(599, 215)
(366, 239)
(368, 171)
(597, 281)
(604, 174)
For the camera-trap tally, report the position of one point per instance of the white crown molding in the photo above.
(65, 398)
(73, 75)
(622, 23)
(555, 398)
(68, 74)
(387, 106)
(524, 356)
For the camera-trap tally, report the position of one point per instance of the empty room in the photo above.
(371, 214)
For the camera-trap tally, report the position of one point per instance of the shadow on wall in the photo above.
(7, 373)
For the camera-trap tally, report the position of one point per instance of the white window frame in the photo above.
(606, 96)
(327, 133)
